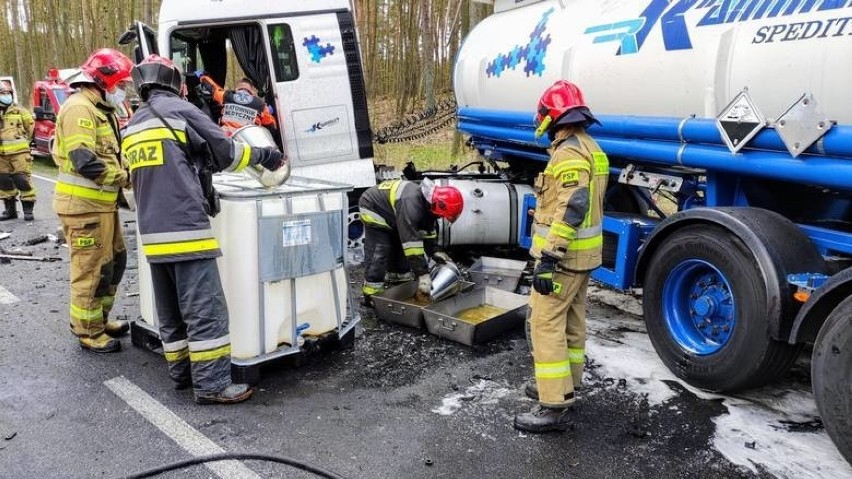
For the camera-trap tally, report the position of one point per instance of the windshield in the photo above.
(61, 94)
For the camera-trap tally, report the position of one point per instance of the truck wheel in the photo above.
(705, 313)
(831, 369)
(355, 230)
(355, 238)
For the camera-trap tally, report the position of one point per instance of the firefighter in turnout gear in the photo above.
(400, 219)
(567, 242)
(16, 163)
(91, 174)
(167, 143)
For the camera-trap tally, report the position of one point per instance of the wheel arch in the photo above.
(815, 311)
(767, 234)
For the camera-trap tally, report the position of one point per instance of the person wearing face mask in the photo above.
(91, 174)
(239, 107)
(16, 163)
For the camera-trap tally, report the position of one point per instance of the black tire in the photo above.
(831, 370)
(748, 358)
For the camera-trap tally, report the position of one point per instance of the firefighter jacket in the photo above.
(569, 203)
(16, 131)
(400, 206)
(91, 172)
(164, 168)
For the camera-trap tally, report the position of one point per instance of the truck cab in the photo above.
(303, 57)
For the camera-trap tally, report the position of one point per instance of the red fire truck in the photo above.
(48, 96)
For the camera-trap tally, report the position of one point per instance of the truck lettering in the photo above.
(670, 16)
(834, 27)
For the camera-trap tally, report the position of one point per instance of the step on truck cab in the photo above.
(303, 56)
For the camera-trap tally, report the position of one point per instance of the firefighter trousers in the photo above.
(556, 327)
(98, 260)
(16, 177)
(193, 323)
(382, 254)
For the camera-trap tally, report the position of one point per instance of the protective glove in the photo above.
(543, 275)
(272, 159)
(442, 258)
(424, 285)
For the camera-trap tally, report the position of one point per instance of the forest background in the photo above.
(407, 47)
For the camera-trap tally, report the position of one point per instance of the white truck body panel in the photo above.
(659, 58)
(315, 110)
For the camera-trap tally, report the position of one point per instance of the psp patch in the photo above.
(85, 123)
(570, 178)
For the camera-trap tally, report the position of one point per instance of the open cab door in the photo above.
(145, 38)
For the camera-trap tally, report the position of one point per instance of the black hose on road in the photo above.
(229, 456)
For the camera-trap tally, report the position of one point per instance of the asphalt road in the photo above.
(400, 403)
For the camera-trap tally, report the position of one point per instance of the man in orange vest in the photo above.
(239, 107)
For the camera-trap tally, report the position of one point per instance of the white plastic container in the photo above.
(282, 267)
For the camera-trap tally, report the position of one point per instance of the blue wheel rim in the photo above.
(699, 307)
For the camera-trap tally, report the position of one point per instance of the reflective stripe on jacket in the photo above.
(87, 128)
(164, 164)
(569, 203)
(400, 206)
(16, 130)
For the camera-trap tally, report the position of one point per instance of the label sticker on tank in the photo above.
(296, 233)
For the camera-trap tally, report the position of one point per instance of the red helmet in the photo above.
(156, 71)
(106, 68)
(447, 202)
(560, 98)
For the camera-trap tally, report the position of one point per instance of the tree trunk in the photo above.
(428, 54)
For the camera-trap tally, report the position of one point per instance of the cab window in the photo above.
(283, 53)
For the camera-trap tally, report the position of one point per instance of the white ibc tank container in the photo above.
(282, 267)
(657, 58)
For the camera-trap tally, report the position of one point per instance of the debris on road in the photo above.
(36, 240)
(6, 258)
(5, 235)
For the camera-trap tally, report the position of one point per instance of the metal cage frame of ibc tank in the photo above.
(145, 334)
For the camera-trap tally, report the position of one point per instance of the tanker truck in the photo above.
(739, 114)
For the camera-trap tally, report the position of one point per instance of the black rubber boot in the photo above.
(11, 212)
(531, 390)
(27, 206)
(544, 419)
(230, 395)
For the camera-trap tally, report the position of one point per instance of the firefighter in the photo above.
(166, 143)
(238, 107)
(400, 219)
(90, 177)
(567, 241)
(16, 163)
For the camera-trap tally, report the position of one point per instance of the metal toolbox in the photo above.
(497, 272)
(392, 305)
(441, 318)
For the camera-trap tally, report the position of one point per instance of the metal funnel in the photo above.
(446, 281)
(259, 136)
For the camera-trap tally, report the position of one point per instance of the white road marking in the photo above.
(44, 178)
(176, 428)
(6, 297)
